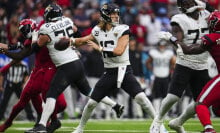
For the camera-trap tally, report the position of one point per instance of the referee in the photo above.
(15, 74)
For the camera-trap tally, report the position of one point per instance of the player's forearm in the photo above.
(121, 46)
(18, 55)
(80, 41)
(14, 56)
(191, 49)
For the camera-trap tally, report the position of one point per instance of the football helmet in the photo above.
(214, 21)
(106, 11)
(26, 27)
(188, 6)
(53, 12)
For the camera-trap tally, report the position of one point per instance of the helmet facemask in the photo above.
(26, 27)
(188, 6)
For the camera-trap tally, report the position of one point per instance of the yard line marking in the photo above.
(70, 129)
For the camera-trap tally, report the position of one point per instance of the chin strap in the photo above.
(192, 9)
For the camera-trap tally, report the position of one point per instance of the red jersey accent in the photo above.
(212, 40)
(5, 69)
(42, 57)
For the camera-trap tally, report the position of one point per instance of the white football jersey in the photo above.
(193, 31)
(110, 39)
(161, 62)
(57, 30)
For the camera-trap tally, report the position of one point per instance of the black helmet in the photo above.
(53, 12)
(184, 5)
(107, 9)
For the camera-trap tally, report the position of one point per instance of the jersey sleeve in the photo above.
(179, 19)
(95, 31)
(44, 30)
(123, 30)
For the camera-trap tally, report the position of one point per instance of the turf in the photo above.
(113, 126)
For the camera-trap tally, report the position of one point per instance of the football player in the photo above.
(161, 61)
(39, 80)
(70, 70)
(113, 40)
(188, 26)
(210, 92)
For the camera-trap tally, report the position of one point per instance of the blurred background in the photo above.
(145, 18)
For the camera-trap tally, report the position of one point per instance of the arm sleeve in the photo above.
(5, 69)
(206, 41)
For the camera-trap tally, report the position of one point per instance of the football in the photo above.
(62, 44)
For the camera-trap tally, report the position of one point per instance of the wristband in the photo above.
(108, 49)
(173, 40)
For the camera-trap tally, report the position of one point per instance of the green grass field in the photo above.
(113, 126)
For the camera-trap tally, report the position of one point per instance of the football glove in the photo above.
(34, 36)
(162, 35)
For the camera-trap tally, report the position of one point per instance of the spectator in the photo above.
(153, 27)
(35, 15)
(12, 29)
(80, 19)
(158, 5)
(3, 22)
(138, 31)
(128, 12)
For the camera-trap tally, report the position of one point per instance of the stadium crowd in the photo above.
(146, 19)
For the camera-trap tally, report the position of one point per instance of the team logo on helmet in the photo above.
(214, 21)
(106, 11)
(53, 12)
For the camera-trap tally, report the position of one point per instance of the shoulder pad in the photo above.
(44, 29)
(95, 31)
(68, 19)
(181, 20)
(120, 29)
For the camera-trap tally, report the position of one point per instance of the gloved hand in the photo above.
(162, 35)
(34, 36)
